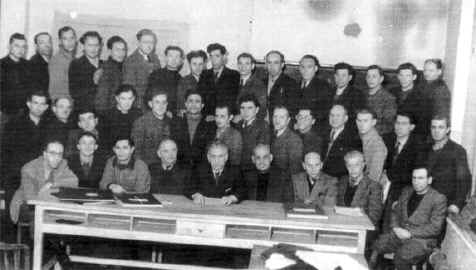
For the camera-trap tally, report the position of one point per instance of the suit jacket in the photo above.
(409, 101)
(426, 222)
(116, 123)
(81, 84)
(324, 191)
(368, 196)
(375, 153)
(255, 133)
(436, 100)
(279, 188)
(223, 91)
(287, 150)
(311, 141)
(284, 92)
(58, 68)
(109, 82)
(255, 86)
(175, 181)
(185, 84)
(384, 105)
(165, 80)
(58, 130)
(14, 85)
(318, 96)
(38, 71)
(229, 183)
(92, 179)
(232, 139)
(352, 98)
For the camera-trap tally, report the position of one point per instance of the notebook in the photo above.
(137, 200)
(301, 210)
(83, 195)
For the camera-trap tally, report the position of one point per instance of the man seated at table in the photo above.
(124, 172)
(216, 179)
(266, 182)
(168, 177)
(417, 222)
(314, 186)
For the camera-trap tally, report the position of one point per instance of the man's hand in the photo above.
(199, 199)
(453, 209)
(46, 187)
(307, 201)
(227, 200)
(97, 75)
(402, 233)
(116, 189)
(210, 118)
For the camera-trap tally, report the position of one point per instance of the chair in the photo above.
(14, 256)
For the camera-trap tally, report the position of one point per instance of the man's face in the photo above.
(194, 104)
(373, 78)
(355, 166)
(168, 153)
(37, 105)
(217, 59)
(307, 68)
(365, 122)
(118, 51)
(147, 44)
(62, 109)
(222, 117)
(44, 45)
(123, 150)
(87, 121)
(92, 47)
(158, 104)
(125, 100)
(305, 120)
(87, 146)
(53, 155)
(280, 119)
(342, 78)
(197, 64)
(217, 156)
(274, 66)
(174, 59)
(18, 48)
(439, 130)
(245, 66)
(312, 165)
(403, 126)
(406, 78)
(262, 158)
(431, 72)
(420, 180)
(337, 117)
(248, 110)
(68, 40)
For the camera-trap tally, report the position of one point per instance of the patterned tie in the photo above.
(215, 77)
(331, 141)
(242, 83)
(396, 152)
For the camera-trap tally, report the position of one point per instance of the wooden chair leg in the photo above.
(27, 259)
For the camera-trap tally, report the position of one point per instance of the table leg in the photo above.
(38, 238)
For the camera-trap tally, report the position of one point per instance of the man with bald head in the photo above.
(313, 186)
(266, 182)
(168, 176)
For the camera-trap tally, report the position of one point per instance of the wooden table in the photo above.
(182, 222)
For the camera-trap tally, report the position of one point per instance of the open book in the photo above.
(137, 200)
(83, 195)
(301, 210)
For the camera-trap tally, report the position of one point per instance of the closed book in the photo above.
(300, 210)
(137, 200)
(83, 195)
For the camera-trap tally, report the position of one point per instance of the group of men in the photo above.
(140, 126)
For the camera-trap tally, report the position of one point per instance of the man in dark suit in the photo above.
(448, 165)
(417, 222)
(251, 84)
(408, 95)
(337, 140)
(267, 182)
(282, 89)
(87, 164)
(304, 125)
(218, 85)
(197, 61)
(345, 93)
(215, 179)
(38, 64)
(169, 177)
(59, 125)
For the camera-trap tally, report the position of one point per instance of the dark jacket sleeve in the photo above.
(463, 178)
(375, 202)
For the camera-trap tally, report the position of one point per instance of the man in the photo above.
(337, 140)
(140, 64)
(251, 84)
(151, 128)
(84, 72)
(373, 147)
(119, 120)
(345, 93)
(314, 91)
(58, 67)
(313, 187)
(304, 125)
(59, 125)
(380, 100)
(14, 77)
(38, 64)
(111, 78)
(169, 177)
(87, 122)
(254, 131)
(87, 164)
(218, 85)
(166, 79)
(191, 132)
(227, 134)
(215, 179)
(358, 190)
(281, 89)
(417, 223)
(407, 94)
(124, 172)
(448, 165)
(197, 61)
(265, 181)
(286, 147)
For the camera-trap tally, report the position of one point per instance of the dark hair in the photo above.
(49, 141)
(65, 29)
(37, 93)
(16, 36)
(367, 111)
(406, 114)
(313, 58)
(281, 55)
(282, 107)
(152, 93)
(437, 61)
(378, 68)
(35, 39)
(124, 137)
(222, 105)
(193, 92)
(409, 66)
(90, 34)
(216, 46)
(196, 54)
(422, 167)
(114, 39)
(145, 32)
(246, 55)
(442, 117)
(123, 88)
(249, 98)
(87, 134)
(85, 110)
(343, 65)
(174, 48)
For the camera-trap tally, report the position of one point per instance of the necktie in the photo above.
(215, 76)
(396, 152)
(242, 83)
(331, 141)
(86, 168)
(149, 59)
(51, 177)
(303, 84)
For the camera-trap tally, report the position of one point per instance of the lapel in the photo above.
(416, 213)
(318, 186)
(277, 85)
(360, 192)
